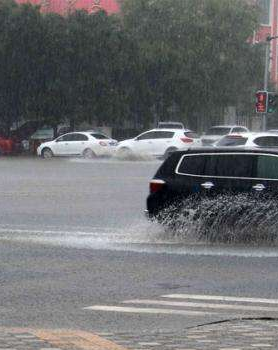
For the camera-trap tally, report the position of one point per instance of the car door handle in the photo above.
(66, 144)
(259, 187)
(207, 185)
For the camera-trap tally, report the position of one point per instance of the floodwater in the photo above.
(99, 204)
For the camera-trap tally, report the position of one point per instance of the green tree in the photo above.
(196, 54)
(20, 45)
(52, 95)
(100, 68)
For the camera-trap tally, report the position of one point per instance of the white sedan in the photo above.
(159, 142)
(86, 144)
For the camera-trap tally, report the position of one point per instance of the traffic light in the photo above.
(261, 101)
(272, 101)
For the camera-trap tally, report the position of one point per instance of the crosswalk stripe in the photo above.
(221, 298)
(202, 305)
(147, 310)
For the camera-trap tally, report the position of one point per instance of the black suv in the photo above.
(211, 171)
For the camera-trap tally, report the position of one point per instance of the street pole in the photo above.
(266, 72)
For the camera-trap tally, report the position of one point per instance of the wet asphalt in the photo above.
(73, 235)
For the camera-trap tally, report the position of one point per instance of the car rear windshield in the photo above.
(218, 131)
(232, 141)
(228, 165)
(100, 136)
(191, 135)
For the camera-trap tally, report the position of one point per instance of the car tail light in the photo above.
(102, 143)
(235, 136)
(186, 140)
(156, 185)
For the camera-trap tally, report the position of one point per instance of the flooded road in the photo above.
(76, 251)
(73, 192)
(97, 204)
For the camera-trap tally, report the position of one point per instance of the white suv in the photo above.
(249, 139)
(159, 142)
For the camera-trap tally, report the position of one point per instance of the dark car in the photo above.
(212, 171)
(7, 145)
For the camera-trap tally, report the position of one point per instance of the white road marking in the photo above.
(147, 310)
(202, 305)
(220, 298)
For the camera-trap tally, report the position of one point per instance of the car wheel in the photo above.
(89, 154)
(169, 151)
(47, 153)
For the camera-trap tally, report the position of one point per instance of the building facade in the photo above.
(269, 27)
(63, 7)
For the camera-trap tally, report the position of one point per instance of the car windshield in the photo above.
(232, 141)
(218, 131)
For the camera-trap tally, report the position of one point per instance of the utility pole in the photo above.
(266, 72)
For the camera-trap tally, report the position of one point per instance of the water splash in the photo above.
(227, 218)
(131, 156)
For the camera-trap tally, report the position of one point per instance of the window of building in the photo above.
(265, 11)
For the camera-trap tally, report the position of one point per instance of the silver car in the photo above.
(216, 132)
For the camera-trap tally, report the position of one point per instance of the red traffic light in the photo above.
(261, 102)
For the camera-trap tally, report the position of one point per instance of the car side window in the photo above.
(218, 165)
(60, 139)
(267, 167)
(267, 141)
(80, 137)
(163, 134)
(67, 137)
(146, 136)
(193, 165)
(230, 165)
